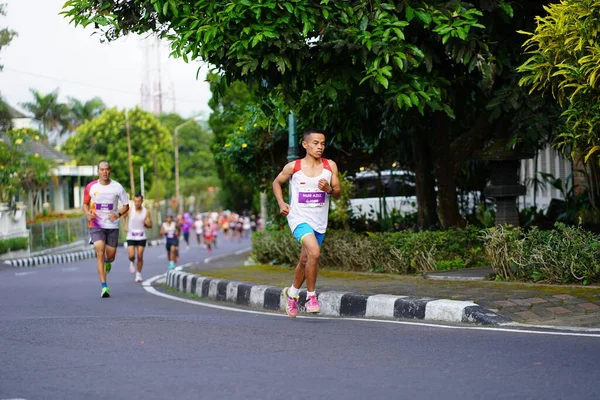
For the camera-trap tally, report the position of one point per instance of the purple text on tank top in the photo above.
(311, 197)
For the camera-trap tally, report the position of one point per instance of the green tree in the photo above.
(103, 138)
(5, 116)
(197, 168)
(6, 35)
(564, 62)
(20, 170)
(84, 111)
(228, 114)
(47, 109)
(437, 62)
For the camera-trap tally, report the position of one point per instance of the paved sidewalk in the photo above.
(526, 303)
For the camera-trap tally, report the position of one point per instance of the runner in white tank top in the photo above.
(313, 180)
(136, 222)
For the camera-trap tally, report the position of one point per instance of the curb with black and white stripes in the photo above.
(338, 304)
(62, 258)
(52, 259)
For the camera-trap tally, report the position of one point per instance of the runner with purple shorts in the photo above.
(101, 207)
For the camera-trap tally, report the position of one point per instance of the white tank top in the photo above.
(170, 230)
(308, 203)
(135, 227)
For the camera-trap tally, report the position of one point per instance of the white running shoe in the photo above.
(138, 277)
(131, 267)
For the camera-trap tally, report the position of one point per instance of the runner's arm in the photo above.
(120, 212)
(148, 220)
(125, 221)
(335, 181)
(283, 177)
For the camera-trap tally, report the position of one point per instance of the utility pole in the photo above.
(129, 156)
(142, 180)
(292, 141)
(176, 145)
(177, 190)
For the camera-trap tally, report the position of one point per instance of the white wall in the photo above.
(548, 161)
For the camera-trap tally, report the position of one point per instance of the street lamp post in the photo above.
(176, 145)
(292, 141)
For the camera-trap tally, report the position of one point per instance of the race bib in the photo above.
(311, 198)
(170, 235)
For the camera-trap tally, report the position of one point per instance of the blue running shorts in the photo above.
(305, 229)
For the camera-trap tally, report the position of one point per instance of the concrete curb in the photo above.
(51, 259)
(335, 303)
(62, 258)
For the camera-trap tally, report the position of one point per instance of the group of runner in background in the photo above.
(206, 227)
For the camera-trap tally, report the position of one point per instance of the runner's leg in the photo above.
(299, 273)
(313, 252)
(140, 257)
(100, 247)
(111, 252)
(131, 252)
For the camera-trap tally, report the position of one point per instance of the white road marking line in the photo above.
(237, 253)
(147, 285)
(162, 256)
(242, 251)
(25, 273)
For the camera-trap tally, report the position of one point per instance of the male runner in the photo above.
(136, 221)
(313, 180)
(100, 205)
(170, 230)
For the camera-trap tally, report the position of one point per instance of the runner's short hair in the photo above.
(138, 195)
(104, 162)
(309, 132)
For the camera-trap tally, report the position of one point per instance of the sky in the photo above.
(49, 53)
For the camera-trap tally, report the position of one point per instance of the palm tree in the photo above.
(5, 116)
(81, 112)
(47, 109)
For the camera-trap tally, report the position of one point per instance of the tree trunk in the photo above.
(445, 174)
(424, 181)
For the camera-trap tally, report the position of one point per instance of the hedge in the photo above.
(13, 244)
(398, 252)
(563, 255)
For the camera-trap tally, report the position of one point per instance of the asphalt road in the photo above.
(60, 340)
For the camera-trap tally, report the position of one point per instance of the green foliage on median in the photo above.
(402, 252)
(564, 255)
(13, 244)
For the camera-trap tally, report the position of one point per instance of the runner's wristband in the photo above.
(331, 191)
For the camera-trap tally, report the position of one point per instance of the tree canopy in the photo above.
(198, 171)
(564, 61)
(103, 138)
(21, 170)
(6, 34)
(436, 76)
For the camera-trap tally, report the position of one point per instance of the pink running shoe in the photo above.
(291, 307)
(312, 305)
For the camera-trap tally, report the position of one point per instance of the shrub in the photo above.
(566, 254)
(424, 250)
(13, 244)
(504, 250)
(400, 252)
